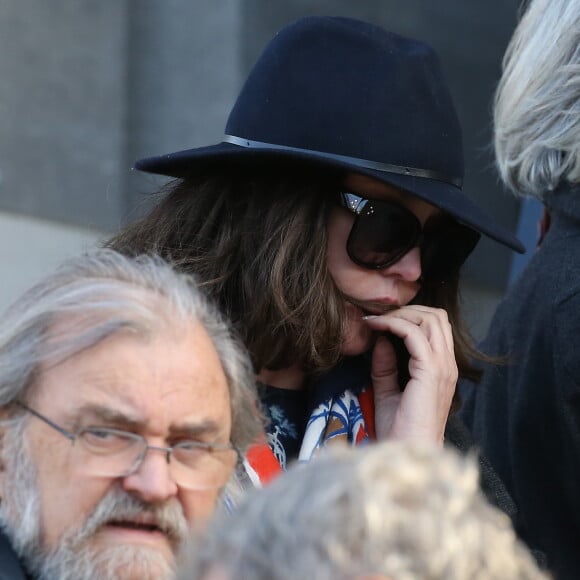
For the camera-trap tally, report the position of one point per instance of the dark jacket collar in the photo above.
(564, 201)
(10, 566)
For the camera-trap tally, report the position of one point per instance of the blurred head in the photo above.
(123, 398)
(385, 511)
(537, 104)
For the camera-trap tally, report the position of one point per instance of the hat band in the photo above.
(385, 167)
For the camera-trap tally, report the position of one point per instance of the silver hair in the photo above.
(537, 103)
(406, 512)
(101, 293)
(20, 504)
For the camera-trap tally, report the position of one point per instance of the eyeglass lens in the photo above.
(382, 233)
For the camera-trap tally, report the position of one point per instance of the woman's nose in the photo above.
(408, 268)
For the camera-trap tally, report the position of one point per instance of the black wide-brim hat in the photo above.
(344, 95)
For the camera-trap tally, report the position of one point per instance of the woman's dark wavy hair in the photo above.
(258, 243)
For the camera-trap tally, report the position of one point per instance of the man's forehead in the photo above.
(138, 374)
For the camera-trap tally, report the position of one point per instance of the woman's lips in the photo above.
(374, 307)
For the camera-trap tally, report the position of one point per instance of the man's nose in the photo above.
(408, 267)
(152, 481)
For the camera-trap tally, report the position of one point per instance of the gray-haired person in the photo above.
(388, 511)
(125, 403)
(525, 414)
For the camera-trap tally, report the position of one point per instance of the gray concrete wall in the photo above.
(31, 248)
(62, 109)
(184, 75)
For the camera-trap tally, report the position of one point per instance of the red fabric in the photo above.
(263, 462)
(367, 405)
(543, 226)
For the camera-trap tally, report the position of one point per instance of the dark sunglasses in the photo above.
(384, 231)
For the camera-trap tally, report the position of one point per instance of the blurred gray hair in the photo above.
(96, 295)
(405, 512)
(537, 103)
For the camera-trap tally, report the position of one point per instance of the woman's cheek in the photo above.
(358, 336)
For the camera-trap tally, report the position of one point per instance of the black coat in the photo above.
(10, 567)
(525, 414)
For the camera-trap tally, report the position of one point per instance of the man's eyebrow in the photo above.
(205, 427)
(109, 415)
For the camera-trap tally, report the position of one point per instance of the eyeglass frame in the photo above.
(72, 437)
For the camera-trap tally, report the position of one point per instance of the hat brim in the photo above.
(443, 195)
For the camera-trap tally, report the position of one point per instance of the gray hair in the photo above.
(101, 293)
(537, 103)
(406, 512)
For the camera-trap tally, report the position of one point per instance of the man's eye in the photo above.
(191, 446)
(109, 439)
(102, 434)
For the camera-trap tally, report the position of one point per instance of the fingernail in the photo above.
(370, 316)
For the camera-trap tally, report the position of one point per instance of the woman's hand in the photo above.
(420, 412)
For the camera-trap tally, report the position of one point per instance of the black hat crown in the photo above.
(341, 86)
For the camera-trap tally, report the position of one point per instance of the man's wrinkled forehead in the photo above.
(139, 376)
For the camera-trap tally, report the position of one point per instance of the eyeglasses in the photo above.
(107, 452)
(384, 231)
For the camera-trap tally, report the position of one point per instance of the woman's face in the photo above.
(374, 291)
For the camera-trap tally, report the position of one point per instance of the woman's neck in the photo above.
(291, 378)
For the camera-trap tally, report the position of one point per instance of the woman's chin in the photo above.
(359, 338)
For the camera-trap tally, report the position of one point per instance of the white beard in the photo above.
(114, 563)
(75, 558)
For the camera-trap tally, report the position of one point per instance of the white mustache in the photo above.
(120, 506)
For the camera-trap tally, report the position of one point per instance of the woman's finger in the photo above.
(434, 323)
(421, 411)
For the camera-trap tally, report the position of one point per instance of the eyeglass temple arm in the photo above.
(62, 431)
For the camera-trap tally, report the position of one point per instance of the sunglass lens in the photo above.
(445, 249)
(382, 233)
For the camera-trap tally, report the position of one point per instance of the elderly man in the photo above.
(124, 406)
